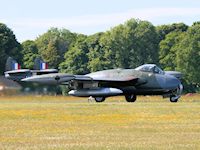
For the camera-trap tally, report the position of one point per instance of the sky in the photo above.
(29, 19)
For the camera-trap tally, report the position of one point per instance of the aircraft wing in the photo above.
(62, 78)
(106, 79)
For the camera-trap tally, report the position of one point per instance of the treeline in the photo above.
(128, 45)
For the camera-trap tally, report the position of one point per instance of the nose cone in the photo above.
(172, 82)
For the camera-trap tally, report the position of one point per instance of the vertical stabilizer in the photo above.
(12, 64)
(39, 64)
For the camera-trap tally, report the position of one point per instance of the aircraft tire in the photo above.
(131, 98)
(99, 99)
(173, 100)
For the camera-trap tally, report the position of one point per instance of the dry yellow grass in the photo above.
(45, 122)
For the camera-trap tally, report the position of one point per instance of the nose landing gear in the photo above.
(176, 94)
(174, 98)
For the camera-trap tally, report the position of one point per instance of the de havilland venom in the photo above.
(147, 79)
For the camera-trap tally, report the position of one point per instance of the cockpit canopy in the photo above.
(150, 68)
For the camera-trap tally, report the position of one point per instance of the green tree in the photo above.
(8, 46)
(29, 52)
(50, 55)
(108, 49)
(96, 54)
(63, 39)
(188, 56)
(144, 47)
(131, 44)
(117, 47)
(168, 50)
(76, 57)
(163, 30)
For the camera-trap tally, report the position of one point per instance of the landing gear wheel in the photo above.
(99, 99)
(174, 99)
(176, 94)
(131, 98)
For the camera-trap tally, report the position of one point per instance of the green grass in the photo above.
(73, 123)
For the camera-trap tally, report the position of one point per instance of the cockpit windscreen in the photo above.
(150, 68)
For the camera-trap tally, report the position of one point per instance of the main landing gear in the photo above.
(131, 98)
(97, 99)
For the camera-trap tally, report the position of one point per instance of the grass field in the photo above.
(42, 122)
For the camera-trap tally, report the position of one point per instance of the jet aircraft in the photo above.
(147, 79)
